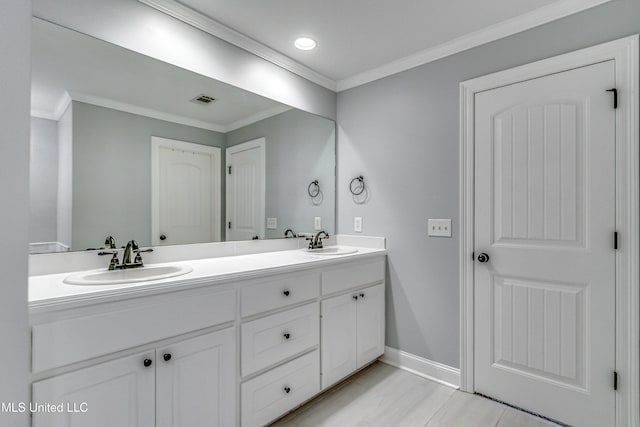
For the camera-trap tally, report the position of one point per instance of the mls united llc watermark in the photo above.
(47, 407)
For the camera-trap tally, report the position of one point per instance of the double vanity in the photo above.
(227, 341)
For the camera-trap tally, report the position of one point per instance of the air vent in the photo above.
(203, 99)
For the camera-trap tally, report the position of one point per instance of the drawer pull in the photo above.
(286, 292)
(166, 357)
(147, 362)
(286, 335)
(287, 389)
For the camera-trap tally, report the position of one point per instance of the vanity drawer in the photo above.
(351, 276)
(284, 291)
(276, 392)
(118, 326)
(270, 339)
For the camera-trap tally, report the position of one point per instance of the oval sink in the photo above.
(131, 275)
(332, 250)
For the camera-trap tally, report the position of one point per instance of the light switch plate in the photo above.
(439, 227)
(317, 223)
(272, 223)
(357, 224)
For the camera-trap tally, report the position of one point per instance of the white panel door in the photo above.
(544, 214)
(196, 382)
(117, 393)
(186, 192)
(338, 342)
(246, 190)
(370, 324)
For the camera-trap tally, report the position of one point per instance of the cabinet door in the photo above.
(338, 346)
(370, 324)
(117, 393)
(196, 381)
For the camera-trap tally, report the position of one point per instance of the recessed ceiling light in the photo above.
(305, 43)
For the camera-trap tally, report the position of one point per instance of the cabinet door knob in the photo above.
(163, 237)
(355, 297)
(166, 357)
(287, 389)
(362, 295)
(147, 362)
(286, 292)
(286, 335)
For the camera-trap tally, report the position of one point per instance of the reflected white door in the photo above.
(185, 192)
(544, 214)
(246, 190)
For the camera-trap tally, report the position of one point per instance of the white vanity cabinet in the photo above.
(187, 383)
(353, 322)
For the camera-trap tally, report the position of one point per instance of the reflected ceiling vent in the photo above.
(203, 99)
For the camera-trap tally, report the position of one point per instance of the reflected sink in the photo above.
(131, 275)
(332, 250)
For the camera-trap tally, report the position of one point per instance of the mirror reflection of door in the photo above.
(246, 186)
(185, 192)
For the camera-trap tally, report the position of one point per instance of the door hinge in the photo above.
(473, 256)
(229, 170)
(229, 225)
(615, 97)
(615, 380)
(615, 240)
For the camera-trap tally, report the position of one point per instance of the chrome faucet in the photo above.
(316, 241)
(132, 247)
(289, 231)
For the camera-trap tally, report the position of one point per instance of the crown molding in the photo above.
(494, 32)
(58, 111)
(261, 115)
(221, 31)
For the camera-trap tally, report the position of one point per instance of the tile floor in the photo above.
(384, 396)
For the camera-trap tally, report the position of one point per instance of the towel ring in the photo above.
(313, 189)
(359, 185)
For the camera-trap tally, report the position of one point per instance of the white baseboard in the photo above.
(425, 368)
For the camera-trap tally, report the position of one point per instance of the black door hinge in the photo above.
(229, 225)
(615, 240)
(615, 380)
(473, 256)
(615, 97)
(229, 170)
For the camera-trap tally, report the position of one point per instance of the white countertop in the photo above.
(49, 291)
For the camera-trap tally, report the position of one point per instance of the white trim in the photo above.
(58, 112)
(159, 142)
(262, 144)
(425, 368)
(261, 115)
(485, 35)
(625, 54)
(221, 31)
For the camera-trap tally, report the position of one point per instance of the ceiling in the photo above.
(90, 70)
(358, 36)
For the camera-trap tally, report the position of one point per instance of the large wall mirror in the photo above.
(127, 146)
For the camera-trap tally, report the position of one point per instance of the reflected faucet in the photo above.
(110, 243)
(289, 231)
(316, 241)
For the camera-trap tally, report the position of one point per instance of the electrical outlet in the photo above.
(317, 223)
(439, 227)
(357, 224)
(272, 223)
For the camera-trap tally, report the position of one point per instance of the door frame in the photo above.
(158, 142)
(625, 54)
(262, 144)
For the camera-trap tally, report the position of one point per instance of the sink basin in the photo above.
(332, 250)
(132, 275)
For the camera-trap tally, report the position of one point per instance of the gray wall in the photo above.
(138, 27)
(65, 177)
(401, 133)
(43, 181)
(15, 40)
(300, 147)
(112, 172)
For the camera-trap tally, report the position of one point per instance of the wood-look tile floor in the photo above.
(384, 396)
